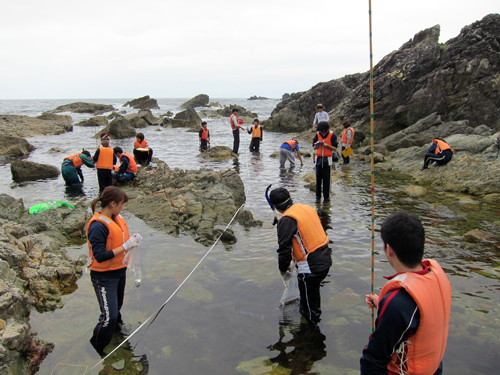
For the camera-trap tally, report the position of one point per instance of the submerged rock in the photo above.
(218, 153)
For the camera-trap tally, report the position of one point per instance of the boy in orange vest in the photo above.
(413, 306)
(204, 135)
(128, 167)
(256, 132)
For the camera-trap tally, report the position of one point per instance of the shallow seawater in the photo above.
(226, 318)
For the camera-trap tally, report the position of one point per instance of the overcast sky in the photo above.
(228, 49)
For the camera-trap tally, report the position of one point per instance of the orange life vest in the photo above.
(118, 234)
(77, 162)
(424, 351)
(132, 165)
(292, 144)
(344, 136)
(310, 233)
(256, 133)
(105, 159)
(231, 121)
(143, 144)
(204, 134)
(442, 146)
(322, 150)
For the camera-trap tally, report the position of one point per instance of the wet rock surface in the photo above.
(188, 201)
(82, 107)
(35, 272)
(14, 146)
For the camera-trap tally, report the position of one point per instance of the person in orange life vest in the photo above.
(325, 143)
(301, 238)
(413, 306)
(108, 240)
(286, 152)
(235, 126)
(321, 115)
(347, 138)
(256, 131)
(440, 153)
(143, 154)
(104, 159)
(204, 135)
(71, 168)
(127, 169)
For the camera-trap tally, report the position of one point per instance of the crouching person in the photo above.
(128, 167)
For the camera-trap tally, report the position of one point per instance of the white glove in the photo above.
(133, 241)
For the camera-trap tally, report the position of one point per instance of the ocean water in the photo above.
(226, 318)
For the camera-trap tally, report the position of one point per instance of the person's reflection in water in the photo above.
(287, 175)
(306, 339)
(75, 191)
(124, 360)
(236, 164)
(325, 215)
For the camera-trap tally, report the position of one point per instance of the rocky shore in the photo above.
(35, 272)
(423, 90)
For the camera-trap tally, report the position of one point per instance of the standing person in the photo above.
(413, 307)
(440, 153)
(204, 136)
(235, 126)
(256, 131)
(347, 138)
(128, 168)
(321, 115)
(325, 143)
(143, 154)
(71, 168)
(104, 159)
(108, 240)
(301, 238)
(286, 152)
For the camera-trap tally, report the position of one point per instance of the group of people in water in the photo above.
(413, 306)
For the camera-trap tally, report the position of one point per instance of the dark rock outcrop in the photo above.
(14, 146)
(185, 119)
(143, 103)
(242, 112)
(119, 128)
(143, 118)
(457, 80)
(255, 97)
(98, 121)
(82, 107)
(30, 171)
(198, 101)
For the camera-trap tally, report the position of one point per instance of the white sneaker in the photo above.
(435, 164)
(152, 165)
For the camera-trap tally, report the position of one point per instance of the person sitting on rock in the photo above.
(143, 154)
(71, 168)
(256, 132)
(204, 135)
(127, 169)
(440, 153)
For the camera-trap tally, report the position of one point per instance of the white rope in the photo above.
(155, 314)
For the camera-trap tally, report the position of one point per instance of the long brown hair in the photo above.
(108, 195)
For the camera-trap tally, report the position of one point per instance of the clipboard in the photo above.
(348, 151)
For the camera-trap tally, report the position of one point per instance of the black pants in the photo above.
(322, 177)
(441, 158)
(345, 158)
(203, 144)
(254, 145)
(104, 178)
(310, 298)
(109, 288)
(236, 140)
(143, 157)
